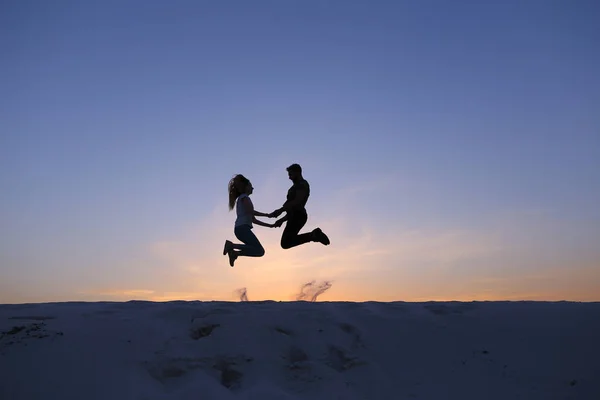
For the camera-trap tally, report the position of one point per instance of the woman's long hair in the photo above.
(235, 183)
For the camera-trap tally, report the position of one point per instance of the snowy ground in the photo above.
(300, 350)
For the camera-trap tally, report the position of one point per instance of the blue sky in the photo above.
(453, 148)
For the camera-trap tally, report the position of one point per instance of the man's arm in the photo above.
(280, 221)
(257, 222)
(301, 194)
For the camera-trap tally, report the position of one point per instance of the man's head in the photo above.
(294, 172)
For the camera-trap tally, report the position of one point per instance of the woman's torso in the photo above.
(243, 218)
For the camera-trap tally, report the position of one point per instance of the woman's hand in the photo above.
(275, 213)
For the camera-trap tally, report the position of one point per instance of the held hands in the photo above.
(276, 224)
(274, 214)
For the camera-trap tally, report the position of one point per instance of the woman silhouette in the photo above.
(240, 189)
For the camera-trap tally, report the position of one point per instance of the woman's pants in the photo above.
(251, 246)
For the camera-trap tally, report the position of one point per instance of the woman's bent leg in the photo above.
(251, 246)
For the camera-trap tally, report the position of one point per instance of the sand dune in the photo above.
(300, 350)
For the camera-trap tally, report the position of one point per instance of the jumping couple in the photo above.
(240, 189)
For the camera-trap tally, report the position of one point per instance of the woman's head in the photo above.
(238, 185)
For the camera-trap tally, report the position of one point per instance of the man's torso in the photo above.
(292, 193)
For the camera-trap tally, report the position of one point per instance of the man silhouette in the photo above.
(296, 215)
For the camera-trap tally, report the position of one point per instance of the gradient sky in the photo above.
(453, 148)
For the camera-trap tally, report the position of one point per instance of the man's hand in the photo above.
(275, 214)
(277, 223)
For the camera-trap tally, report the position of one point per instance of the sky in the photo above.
(452, 148)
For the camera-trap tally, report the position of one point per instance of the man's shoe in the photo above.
(320, 236)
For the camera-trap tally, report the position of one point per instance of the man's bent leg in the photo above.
(290, 237)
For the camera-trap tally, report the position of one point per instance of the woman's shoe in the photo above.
(232, 257)
(228, 246)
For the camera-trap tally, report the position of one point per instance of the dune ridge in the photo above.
(300, 350)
